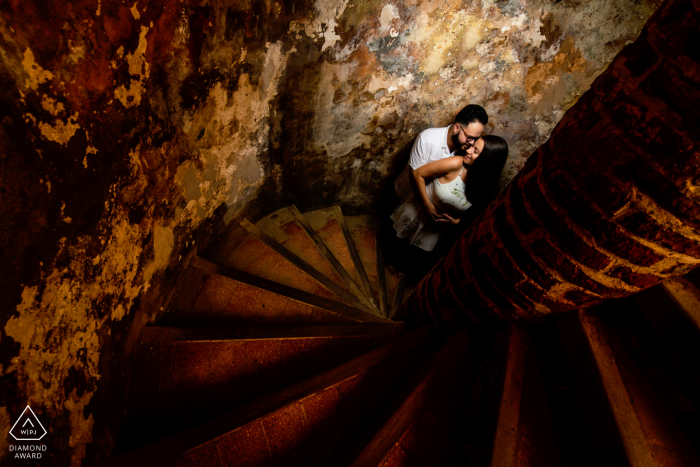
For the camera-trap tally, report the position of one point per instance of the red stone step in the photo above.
(210, 294)
(179, 383)
(685, 295)
(311, 419)
(291, 229)
(319, 429)
(499, 428)
(326, 224)
(656, 354)
(418, 412)
(253, 256)
(673, 309)
(537, 442)
(209, 299)
(328, 286)
(630, 424)
(161, 334)
(363, 232)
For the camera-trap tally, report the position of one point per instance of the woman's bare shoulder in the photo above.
(456, 162)
(439, 167)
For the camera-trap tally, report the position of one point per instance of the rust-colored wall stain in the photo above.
(131, 132)
(606, 208)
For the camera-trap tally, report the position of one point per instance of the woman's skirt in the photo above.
(411, 220)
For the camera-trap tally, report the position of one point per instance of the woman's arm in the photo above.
(432, 170)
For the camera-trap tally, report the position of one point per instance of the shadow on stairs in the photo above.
(277, 349)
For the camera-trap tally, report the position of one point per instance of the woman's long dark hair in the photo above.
(485, 171)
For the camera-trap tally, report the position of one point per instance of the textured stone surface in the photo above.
(246, 446)
(607, 207)
(131, 133)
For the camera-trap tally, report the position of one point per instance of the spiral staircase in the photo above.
(277, 348)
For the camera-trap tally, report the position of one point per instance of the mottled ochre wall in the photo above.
(132, 132)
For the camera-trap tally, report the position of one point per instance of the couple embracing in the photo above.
(450, 170)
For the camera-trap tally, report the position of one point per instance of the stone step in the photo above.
(308, 423)
(630, 425)
(660, 356)
(537, 442)
(514, 424)
(290, 229)
(205, 297)
(255, 257)
(286, 278)
(363, 232)
(181, 380)
(417, 428)
(330, 225)
(195, 334)
(568, 419)
(673, 308)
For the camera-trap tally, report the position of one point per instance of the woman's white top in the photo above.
(412, 221)
(448, 196)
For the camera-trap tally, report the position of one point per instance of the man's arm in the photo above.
(418, 158)
(412, 182)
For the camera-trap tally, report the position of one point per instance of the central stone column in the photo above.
(607, 207)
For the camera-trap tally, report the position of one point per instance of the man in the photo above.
(437, 143)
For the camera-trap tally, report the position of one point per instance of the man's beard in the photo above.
(458, 145)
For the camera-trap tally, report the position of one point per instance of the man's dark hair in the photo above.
(472, 113)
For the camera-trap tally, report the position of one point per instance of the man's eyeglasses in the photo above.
(470, 139)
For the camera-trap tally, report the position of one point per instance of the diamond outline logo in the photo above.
(36, 419)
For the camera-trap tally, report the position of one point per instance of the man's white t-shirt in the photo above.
(431, 145)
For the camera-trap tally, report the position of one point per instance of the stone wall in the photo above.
(606, 208)
(131, 133)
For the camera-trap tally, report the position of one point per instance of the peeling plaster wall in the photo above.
(385, 71)
(131, 132)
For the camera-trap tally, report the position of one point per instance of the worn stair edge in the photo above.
(359, 267)
(398, 296)
(153, 334)
(304, 266)
(511, 361)
(411, 403)
(289, 292)
(380, 271)
(367, 300)
(686, 296)
(537, 434)
(649, 434)
(590, 393)
(678, 336)
(160, 452)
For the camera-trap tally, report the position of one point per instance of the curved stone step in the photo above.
(186, 376)
(289, 228)
(327, 224)
(673, 309)
(662, 345)
(573, 438)
(630, 424)
(309, 418)
(302, 265)
(204, 296)
(363, 232)
(417, 415)
(514, 424)
(256, 258)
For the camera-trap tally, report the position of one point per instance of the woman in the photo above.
(454, 184)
